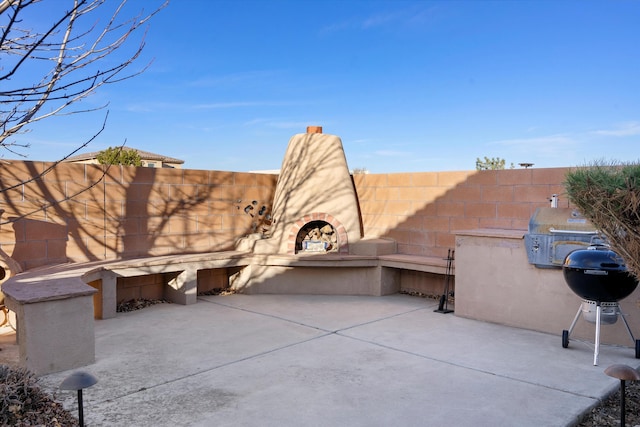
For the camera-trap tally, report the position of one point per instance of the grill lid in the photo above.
(595, 258)
(598, 274)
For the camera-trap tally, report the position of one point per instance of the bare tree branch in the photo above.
(69, 56)
(57, 162)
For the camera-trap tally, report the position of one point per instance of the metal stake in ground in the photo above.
(623, 373)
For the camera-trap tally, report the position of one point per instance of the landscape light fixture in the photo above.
(623, 373)
(78, 381)
(525, 165)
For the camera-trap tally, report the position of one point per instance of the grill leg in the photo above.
(575, 320)
(597, 349)
(626, 324)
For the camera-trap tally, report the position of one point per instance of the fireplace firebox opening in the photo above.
(317, 236)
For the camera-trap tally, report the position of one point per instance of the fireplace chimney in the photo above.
(314, 129)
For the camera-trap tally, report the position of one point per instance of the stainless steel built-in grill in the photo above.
(554, 233)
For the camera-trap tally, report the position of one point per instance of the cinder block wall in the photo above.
(79, 213)
(421, 211)
(74, 213)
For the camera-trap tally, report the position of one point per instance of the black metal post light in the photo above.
(78, 381)
(623, 373)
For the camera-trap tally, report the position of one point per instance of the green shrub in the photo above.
(608, 195)
(119, 156)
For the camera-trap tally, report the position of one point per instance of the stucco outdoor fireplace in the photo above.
(315, 208)
(314, 244)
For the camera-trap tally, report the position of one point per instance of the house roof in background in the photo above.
(145, 155)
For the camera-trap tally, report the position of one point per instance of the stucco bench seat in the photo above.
(369, 273)
(423, 264)
(183, 289)
(317, 260)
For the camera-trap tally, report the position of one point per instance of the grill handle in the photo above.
(553, 230)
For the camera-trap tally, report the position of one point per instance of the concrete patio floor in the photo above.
(285, 360)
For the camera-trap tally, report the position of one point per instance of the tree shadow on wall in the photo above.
(50, 245)
(149, 212)
(93, 212)
(154, 210)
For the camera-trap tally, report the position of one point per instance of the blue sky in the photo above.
(407, 85)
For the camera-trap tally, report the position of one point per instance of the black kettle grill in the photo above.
(599, 276)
